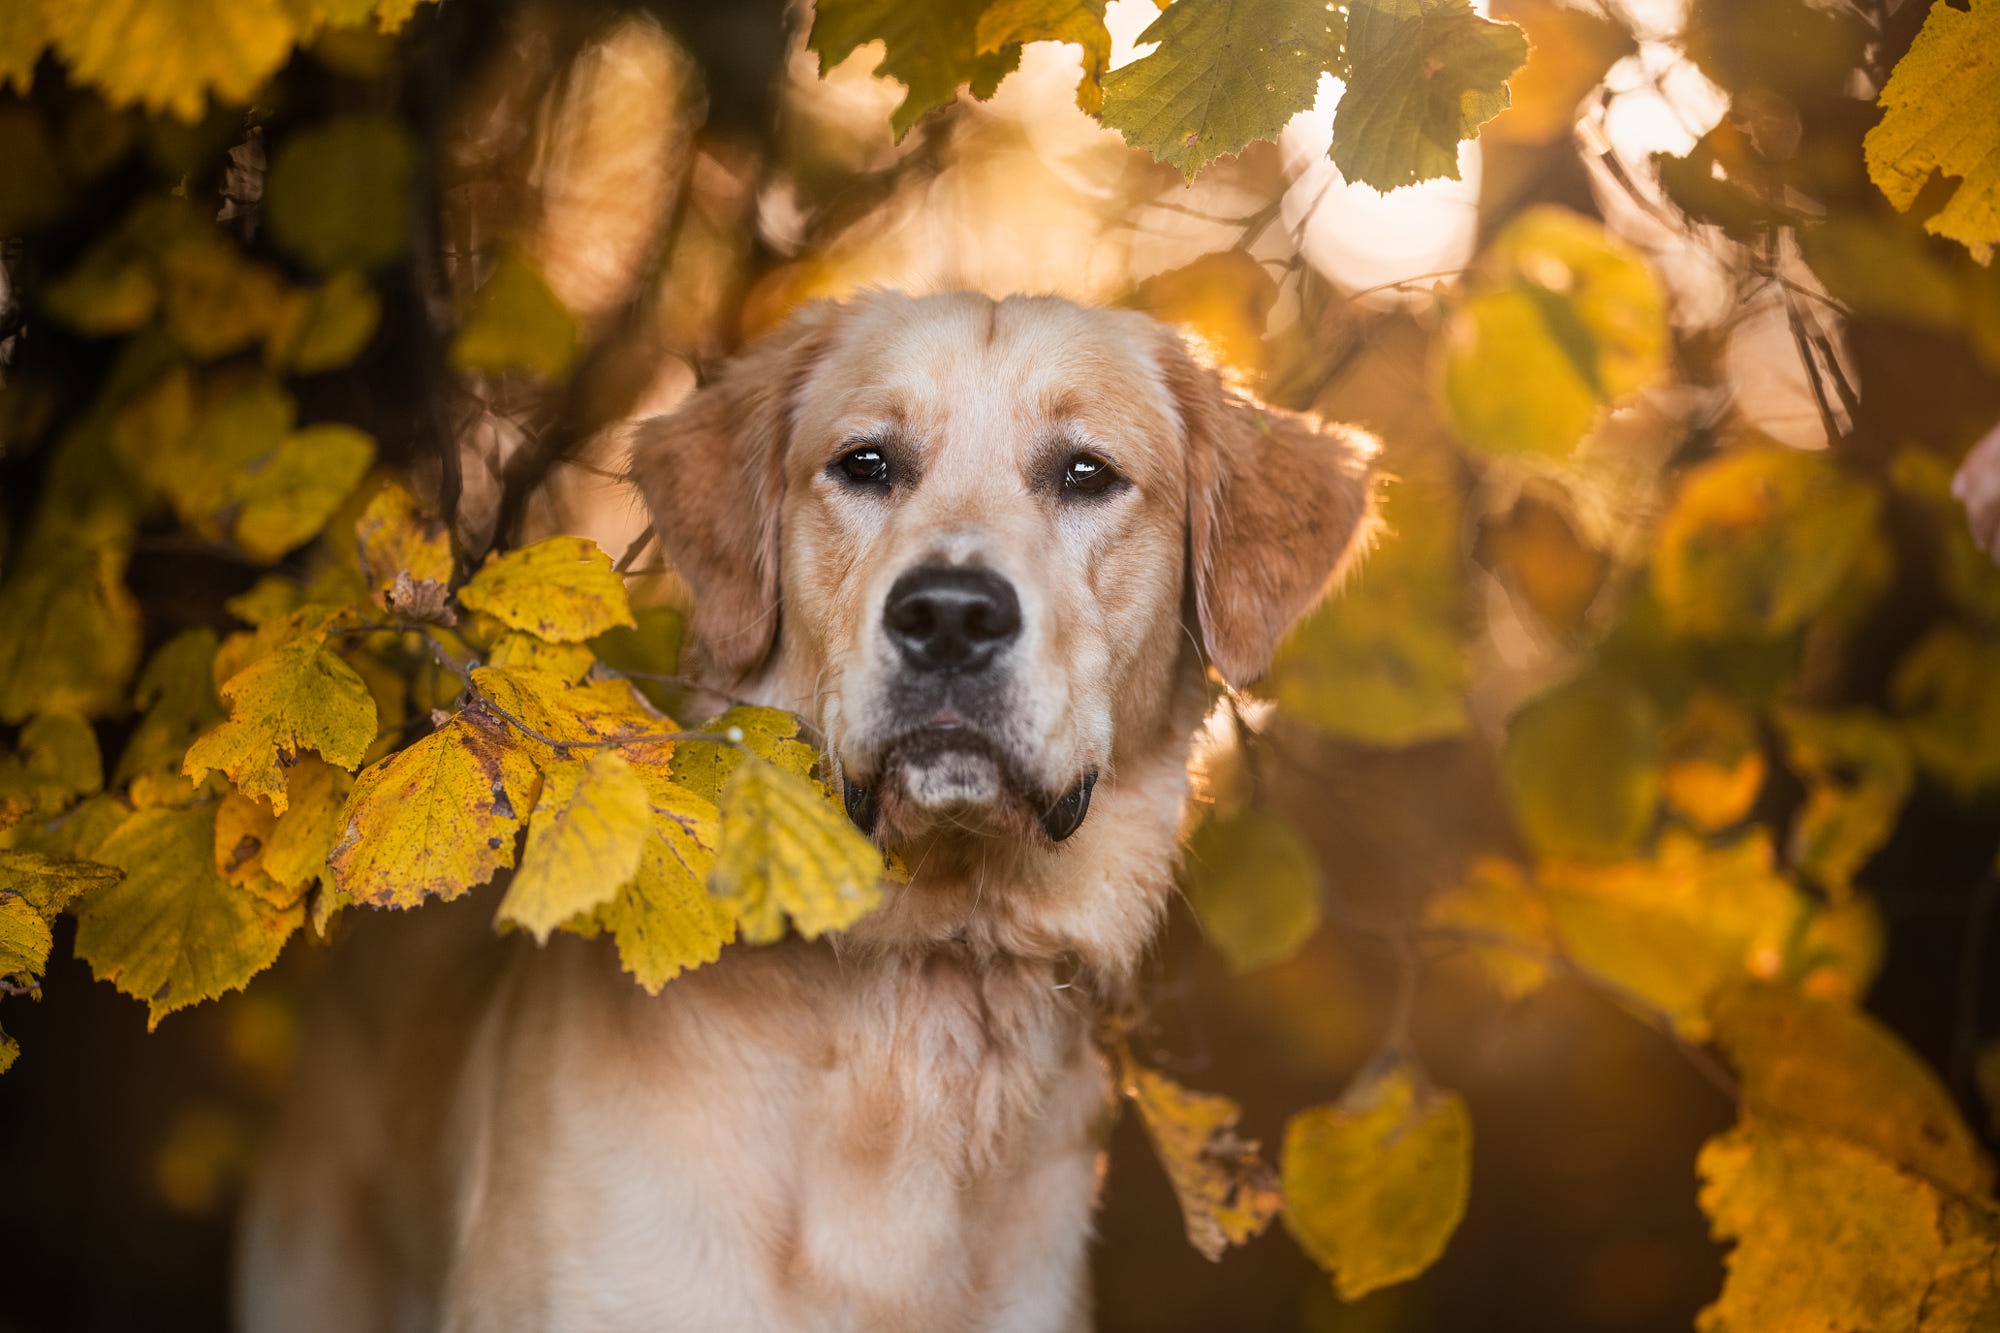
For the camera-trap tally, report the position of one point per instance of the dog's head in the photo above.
(984, 545)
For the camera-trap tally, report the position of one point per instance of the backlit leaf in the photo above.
(298, 698)
(1714, 764)
(1376, 1183)
(1938, 115)
(1254, 884)
(516, 323)
(1858, 771)
(1013, 23)
(340, 195)
(288, 496)
(437, 818)
(51, 885)
(1758, 540)
(788, 852)
(703, 767)
(666, 920)
(1426, 75)
(1224, 299)
(1581, 768)
(1226, 73)
(585, 840)
(1545, 562)
(72, 636)
(304, 836)
(1560, 320)
(561, 588)
(1947, 689)
(930, 47)
(1673, 931)
(1498, 902)
(173, 932)
(1227, 1193)
(169, 55)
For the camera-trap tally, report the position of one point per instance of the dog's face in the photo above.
(980, 543)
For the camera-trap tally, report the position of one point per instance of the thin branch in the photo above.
(635, 550)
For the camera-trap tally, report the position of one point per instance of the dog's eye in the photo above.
(1087, 474)
(865, 466)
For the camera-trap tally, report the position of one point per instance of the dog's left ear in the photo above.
(1277, 505)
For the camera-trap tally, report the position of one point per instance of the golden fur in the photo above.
(896, 1128)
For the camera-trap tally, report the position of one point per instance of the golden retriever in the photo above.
(989, 549)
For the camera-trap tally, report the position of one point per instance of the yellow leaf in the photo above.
(1581, 769)
(242, 825)
(518, 651)
(300, 697)
(1254, 884)
(437, 818)
(1376, 1183)
(296, 851)
(787, 851)
(1858, 771)
(23, 34)
(1227, 1193)
(1834, 1070)
(1941, 113)
(585, 839)
(216, 301)
(1560, 319)
(561, 588)
(1759, 540)
(177, 690)
(1714, 764)
(1674, 931)
(1947, 689)
(585, 714)
(285, 498)
(340, 195)
(666, 920)
(72, 636)
(1224, 298)
(326, 328)
(703, 767)
(51, 885)
(1497, 900)
(58, 762)
(270, 598)
(405, 555)
(168, 55)
(173, 932)
(1006, 23)
(25, 939)
(198, 467)
(652, 646)
(1537, 550)
(516, 323)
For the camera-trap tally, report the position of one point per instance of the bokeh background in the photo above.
(681, 175)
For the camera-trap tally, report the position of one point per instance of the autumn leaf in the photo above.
(177, 690)
(1226, 73)
(1858, 771)
(437, 818)
(1376, 1183)
(1227, 1193)
(1013, 23)
(1426, 74)
(73, 634)
(173, 932)
(1223, 299)
(560, 588)
(326, 328)
(1560, 320)
(285, 498)
(58, 761)
(1581, 768)
(1714, 766)
(215, 300)
(703, 767)
(787, 851)
(304, 836)
(34, 889)
(169, 55)
(516, 323)
(405, 555)
(929, 46)
(340, 195)
(300, 697)
(1254, 884)
(1499, 902)
(1947, 689)
(585, 840)
(1937, 117)
(665, 920)
(23, 34)
(588, 714)
(515, 651)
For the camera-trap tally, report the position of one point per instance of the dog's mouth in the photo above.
(948, 771)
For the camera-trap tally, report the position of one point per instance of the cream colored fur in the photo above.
(898, 1128)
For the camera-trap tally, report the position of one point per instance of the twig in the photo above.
(633, 552)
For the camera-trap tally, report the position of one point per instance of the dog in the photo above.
(991, 550)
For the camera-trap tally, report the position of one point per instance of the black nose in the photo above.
(952, 619)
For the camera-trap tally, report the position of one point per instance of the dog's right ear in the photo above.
(712, 473)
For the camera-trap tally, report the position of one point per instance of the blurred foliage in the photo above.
(318, 318)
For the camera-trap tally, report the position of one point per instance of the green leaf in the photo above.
(169, 55)
(930, 46)
(788, 851)
(1227, 73)
(1858, 771)
(585, 840)
(516, 323)
(1014, 23)
(1882, 268)
(25, 939)
(173, 931)
(72, 636)
(437, 818)
(1426, 75)
(1560, 320)
(1581, 769)
(1376, 1183)
(1947, 689)
(561, 588)
(1254, 884)
(341, 195)
(300, 697)
(1941, 113)
(286, 497)
(1759, 540)
(665, 920)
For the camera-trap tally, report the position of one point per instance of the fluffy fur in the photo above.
(897, 1128)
